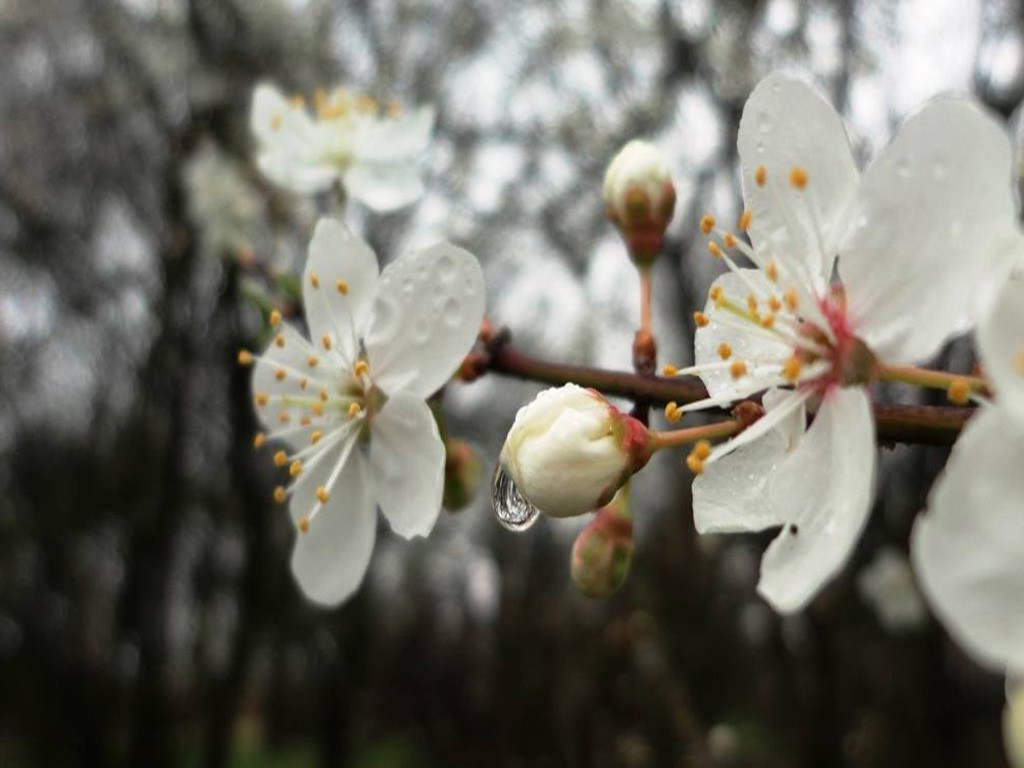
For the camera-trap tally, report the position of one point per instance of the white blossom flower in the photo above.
(968, 548)
(350, 403)
(569, 450)
(374, 156)
(917, 239)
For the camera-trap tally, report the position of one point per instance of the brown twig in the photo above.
(914, 424)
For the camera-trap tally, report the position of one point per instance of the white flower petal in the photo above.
(1013, 725)
(731, 494)
(968, 548)
(824, 488)
(387, 140)
(300, 175)
(384, 187)
(1001, 346)
(936, 224)
(274, 121)
(787, 125)
(292, 360)
(330, 560)
(407, 465)
(335, 254)
(750, 344)
(426, 318)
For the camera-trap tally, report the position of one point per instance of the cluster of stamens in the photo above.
(791, 307)
(330, 404)
(339, 105)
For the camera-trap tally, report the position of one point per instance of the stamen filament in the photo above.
(676, 437)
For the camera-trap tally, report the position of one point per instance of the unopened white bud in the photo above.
(569, 450)
(640, 198)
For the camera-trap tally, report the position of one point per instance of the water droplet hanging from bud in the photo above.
(512, 510)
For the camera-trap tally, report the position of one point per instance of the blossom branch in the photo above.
(911, 424)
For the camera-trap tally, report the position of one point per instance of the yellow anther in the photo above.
(394, 109)
(715, 250)
(354, 410)
(768, 321)
(279, 340)
(284, 417)
(304, 524)
(305, 421)
(761, 175)
(322, 495)
(791, 299)
(280, 495)
(280, 374)
(798, 177)
(669, 370)
(724, 350)
(275, 122)
(320, 99)
(702, 449)
(773, 303)
(365, 103)
(314, 279)
(361, 368)
(729, 240)
(695, 464)
(771, 271)
(317, 409)
(275, 317)
(262, 398)
(1018, 362)
(326, 341)
(297, 101)
(738, 369)
(315, 437)
(303, 383)
(673, 412)
(312, 361)
(324, 394)
(280, 459)
(959, 392)
(745, 218)
(342, 287)
(295, 469)
(752, 303)
(715, 294)
(244, 357)
(707, 223)
(700, 319)
(791, 369)
(258, 440)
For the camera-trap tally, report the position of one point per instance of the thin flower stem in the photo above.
(674, 438)
(912, 424)
(645, 299)
(926, 377)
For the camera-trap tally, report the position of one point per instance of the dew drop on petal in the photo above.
(513, 511)
(764, 122)
(446, 269)
(903, 168)
(452, 312)
(939, 170)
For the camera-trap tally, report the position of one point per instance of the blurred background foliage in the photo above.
(147, 616)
